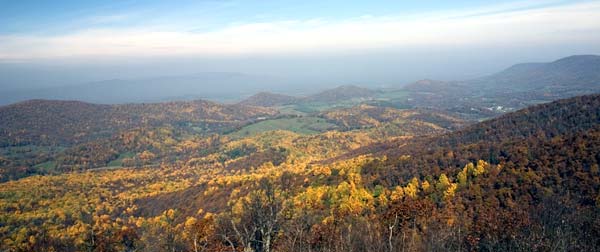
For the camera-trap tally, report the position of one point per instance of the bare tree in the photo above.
(258, 225)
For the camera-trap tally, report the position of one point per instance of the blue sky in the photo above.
(377, 42)
(62, 16)
(72, 29)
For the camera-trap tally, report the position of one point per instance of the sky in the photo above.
(46, 43)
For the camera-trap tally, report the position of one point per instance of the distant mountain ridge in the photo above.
(516, 87)
(207, 85)
(579, 71)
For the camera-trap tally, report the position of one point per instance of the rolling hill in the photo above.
(266, 99)
(367, 116)
(342, 96)
(50, 137)
(344, 92)
(46, 122)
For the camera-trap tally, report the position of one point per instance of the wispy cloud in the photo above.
(543, 23)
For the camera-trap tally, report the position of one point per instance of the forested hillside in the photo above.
(70, 122)
(50, 137)
(39, 136)
(384, 180)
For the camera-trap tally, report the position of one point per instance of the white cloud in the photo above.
(503, 25)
